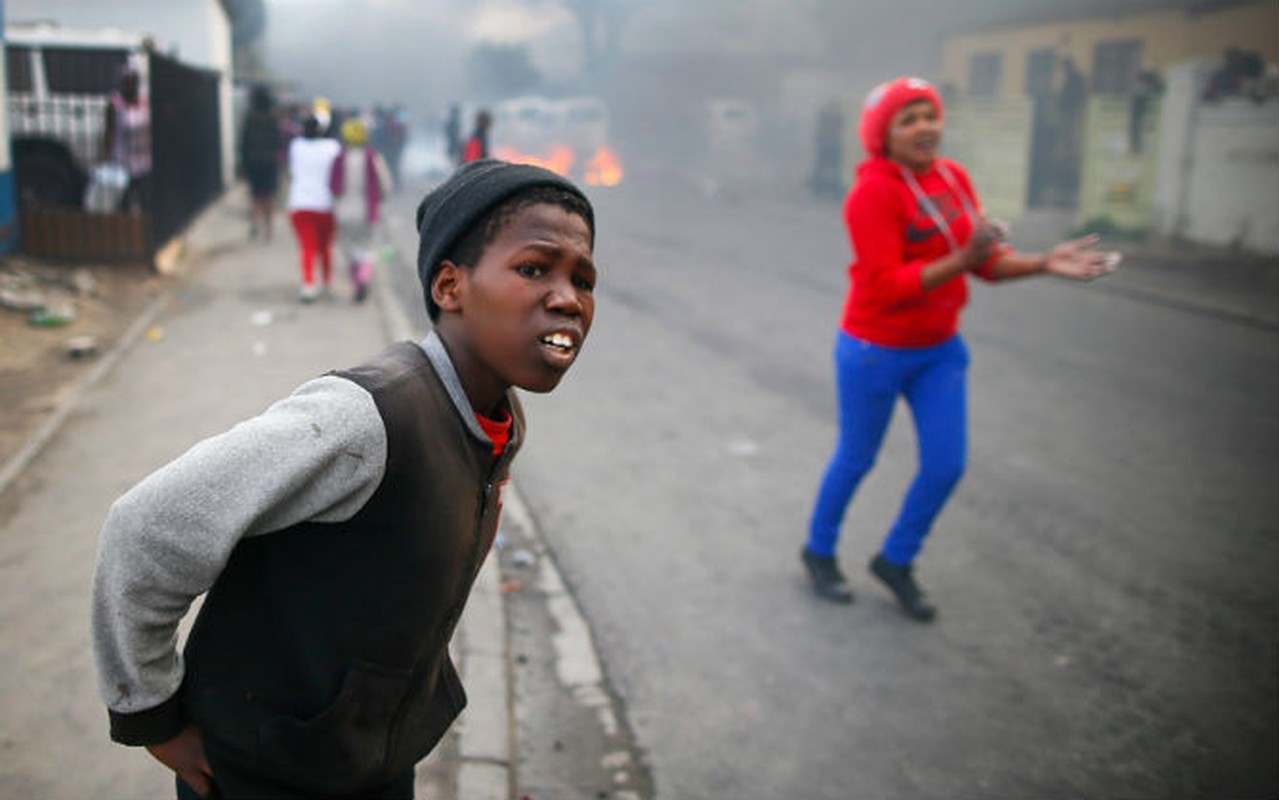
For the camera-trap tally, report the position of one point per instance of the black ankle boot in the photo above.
(901, 581)
(828, 581)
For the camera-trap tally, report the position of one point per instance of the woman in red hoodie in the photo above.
(917, 230)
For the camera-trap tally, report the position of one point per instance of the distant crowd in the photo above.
(387, 125)
(340, 165)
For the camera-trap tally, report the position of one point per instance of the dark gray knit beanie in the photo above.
(450, 209)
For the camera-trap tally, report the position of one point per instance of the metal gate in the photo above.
(59, 94)
(186, 145)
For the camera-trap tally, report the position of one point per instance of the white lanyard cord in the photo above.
(931, 208)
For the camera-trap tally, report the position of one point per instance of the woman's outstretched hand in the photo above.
(1077, 259)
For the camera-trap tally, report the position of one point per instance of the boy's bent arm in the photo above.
(317, 455)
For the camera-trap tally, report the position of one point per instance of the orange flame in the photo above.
(559, 161)
(603, 168)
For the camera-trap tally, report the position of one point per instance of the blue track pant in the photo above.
(870, 378)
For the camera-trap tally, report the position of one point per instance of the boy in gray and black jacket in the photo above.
(338, 533)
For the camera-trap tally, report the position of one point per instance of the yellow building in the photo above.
(1110, 51)
(1060, 110)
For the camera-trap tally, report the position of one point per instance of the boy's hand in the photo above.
(184, 754)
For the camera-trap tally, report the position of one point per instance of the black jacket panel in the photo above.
(320, 656)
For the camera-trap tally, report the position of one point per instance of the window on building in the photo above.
(983, 74)
(83, 71)
(18, 66)
(1039, 72)
(1116, 65)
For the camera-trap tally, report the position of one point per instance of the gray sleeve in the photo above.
(318, 454)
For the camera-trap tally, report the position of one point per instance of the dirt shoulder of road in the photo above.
(45, 353)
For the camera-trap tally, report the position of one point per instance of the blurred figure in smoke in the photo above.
(291, 125)
(477, 146)
(260, 142)
(1239, 73)
(360, 178)
(1149, 86)
(827, 179)
(917, 230)
(393, 134)
(322, 110)
(453, 134)
(311, 158)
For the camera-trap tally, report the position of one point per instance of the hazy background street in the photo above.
(1107, 572)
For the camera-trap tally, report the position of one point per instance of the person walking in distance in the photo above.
(360, 179)
(827, 178)
(393, 132)
(311, 157)
(917, 230)
(260, 142)
(336, 536)
(453, 134)
(477, 145)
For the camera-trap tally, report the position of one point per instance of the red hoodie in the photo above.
(893, 238)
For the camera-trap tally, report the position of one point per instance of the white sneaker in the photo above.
(309, 292)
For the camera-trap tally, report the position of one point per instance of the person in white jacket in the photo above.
(311, 158)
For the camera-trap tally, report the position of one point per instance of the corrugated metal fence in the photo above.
(186, 145)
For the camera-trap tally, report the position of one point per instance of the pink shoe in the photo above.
(361, 274)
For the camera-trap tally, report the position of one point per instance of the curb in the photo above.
(20, 460)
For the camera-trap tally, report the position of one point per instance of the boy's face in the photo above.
(519, 316)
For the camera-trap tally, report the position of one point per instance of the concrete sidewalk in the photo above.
(228, 338)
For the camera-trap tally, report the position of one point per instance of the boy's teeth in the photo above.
(558, 340)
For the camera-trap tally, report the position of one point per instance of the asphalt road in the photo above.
(1107, 572)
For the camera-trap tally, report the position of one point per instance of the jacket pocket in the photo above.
(428, 717)
(343, 748)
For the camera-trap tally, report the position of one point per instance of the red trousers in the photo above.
(314, 230)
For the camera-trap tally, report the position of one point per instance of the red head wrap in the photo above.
(883, 102)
